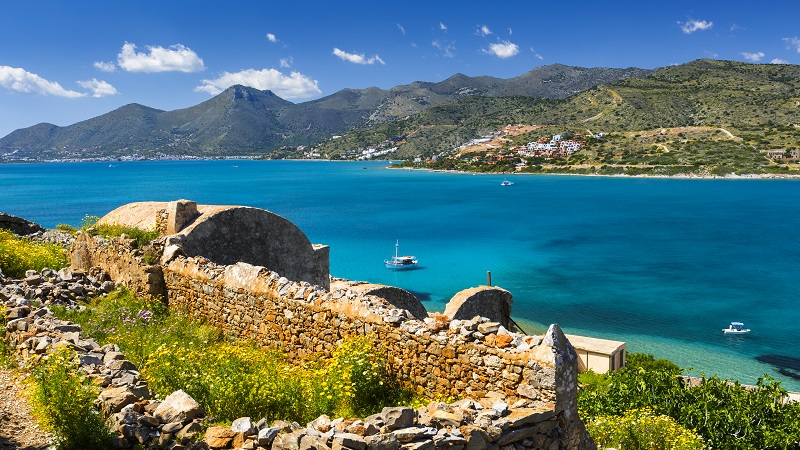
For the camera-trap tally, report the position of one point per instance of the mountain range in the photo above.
(247, 121)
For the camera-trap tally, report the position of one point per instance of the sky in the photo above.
(62, 62)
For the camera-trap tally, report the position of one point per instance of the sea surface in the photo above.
(662, 264)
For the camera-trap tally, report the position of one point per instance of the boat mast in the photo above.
(396, 248)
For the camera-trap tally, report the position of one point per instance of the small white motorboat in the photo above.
(736, 328)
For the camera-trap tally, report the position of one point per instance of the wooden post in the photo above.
(488, 277)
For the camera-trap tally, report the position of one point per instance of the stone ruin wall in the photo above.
(439, 356)
(123, 262)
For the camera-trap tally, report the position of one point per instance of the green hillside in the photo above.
(704, 117)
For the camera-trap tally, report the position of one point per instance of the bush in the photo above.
(89, 224)
(642, 429)
(18, 255)
(62, 401)
(724, 413)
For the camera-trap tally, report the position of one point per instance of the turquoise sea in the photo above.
(662, 264)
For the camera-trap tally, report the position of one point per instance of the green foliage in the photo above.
(66, 228)
(724, 413)
(62, 401)
(642, 429)
(90, 224)
(18, 255)
(235, 379)
(646, 361)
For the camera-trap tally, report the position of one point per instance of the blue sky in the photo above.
(62, 62)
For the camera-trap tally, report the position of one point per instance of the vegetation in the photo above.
(90, 224)
(234, 379)
(726, 414)
(703, 118)
(18, 255)
(642, 429)
(62, 401)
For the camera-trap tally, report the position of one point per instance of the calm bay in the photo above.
(662, 264)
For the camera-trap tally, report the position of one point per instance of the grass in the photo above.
(18, 255)
(234, 379)
(90, 225)
(62, 399)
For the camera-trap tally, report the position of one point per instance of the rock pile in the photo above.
(64, 287)
(467, 424)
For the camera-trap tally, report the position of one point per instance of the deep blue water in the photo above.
(662, 264)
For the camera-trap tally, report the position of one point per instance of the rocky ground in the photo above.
(18, 428)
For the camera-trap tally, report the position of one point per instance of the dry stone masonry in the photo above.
(519, 391)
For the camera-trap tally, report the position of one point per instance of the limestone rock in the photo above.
(178, 406)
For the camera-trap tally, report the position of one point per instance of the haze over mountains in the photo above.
(246, 121)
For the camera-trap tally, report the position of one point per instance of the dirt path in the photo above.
(18, 429)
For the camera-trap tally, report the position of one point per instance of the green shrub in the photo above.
(642, 429)
(62, 401)
(66, 228)
(724, 413)
(18, 255)
(90, 224)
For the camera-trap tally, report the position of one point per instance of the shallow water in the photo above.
(662, 264)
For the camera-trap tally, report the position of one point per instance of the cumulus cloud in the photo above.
(20, 80)
(483, 30)
(272, 38)
(105, 66)
(402, 30)
(755, 57)
(778, 61)
(176, 58)
(794, 43)
(99, 88)
(448, 49)
(294, 85)
(356, 58)
(503, 49)
(442, 26)
(287, 62)
(690, 26)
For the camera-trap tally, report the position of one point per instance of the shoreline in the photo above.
(765, 176)
(753, 176)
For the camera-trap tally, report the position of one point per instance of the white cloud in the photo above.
(176, 58)
(442, 26)
(483, 30)
(755, 57)
(712, 54)
(538, 56)
(356, 58)
(778, 61)
(287, 62)
(794, 42)
(99, 88)
(503, 49)
(20, 80)
(272, 38)
(691, 26)
(510, 31)
(402, 30)
(295, 85)
(105, 66)
(447, 48)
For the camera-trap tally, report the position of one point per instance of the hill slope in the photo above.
(247, 121)
(759, 104)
